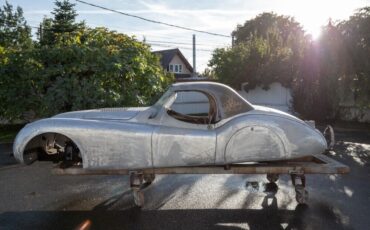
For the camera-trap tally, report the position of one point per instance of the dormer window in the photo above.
(175, 68)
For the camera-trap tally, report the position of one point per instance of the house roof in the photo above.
(167, 56)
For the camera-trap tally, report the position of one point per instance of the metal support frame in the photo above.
(300, 187)
(319, 164)
(136, 185)
(296, 168)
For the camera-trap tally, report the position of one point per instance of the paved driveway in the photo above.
(32, 198)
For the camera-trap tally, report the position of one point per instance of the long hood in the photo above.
(103, 114)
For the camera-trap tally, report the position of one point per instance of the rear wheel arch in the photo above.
(245, 142)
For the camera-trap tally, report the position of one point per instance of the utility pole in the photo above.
(41, 33)
(232, 40)
(194, 57)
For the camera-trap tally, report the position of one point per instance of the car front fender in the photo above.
(34, 129)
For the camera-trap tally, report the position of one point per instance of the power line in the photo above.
(181, 39)
(155, 36)
(180, 43)
(159, 43)
(181, 47)
(154, 21)
(156, 41)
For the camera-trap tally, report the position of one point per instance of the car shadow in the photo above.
(118, 212)
(269, 217)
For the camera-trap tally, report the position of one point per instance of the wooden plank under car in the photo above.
(318, 164)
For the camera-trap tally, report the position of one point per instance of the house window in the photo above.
(175, 68)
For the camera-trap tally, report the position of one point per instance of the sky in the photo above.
(217, 16)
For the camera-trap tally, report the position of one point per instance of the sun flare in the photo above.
(313, 15)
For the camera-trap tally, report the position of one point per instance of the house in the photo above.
(174, 62)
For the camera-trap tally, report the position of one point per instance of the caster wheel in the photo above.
(139, 198)
(149, 178)
(301, 194)
(272, 178)
(136, 179)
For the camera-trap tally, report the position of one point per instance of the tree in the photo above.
(278, 30)
(15, 65)
(14, 31)
(267, 49)
(239, 64)
(208, 73)
(335, 68)
(80, 69)
(108, 69)
(64, 17)
(62, 26)
(21, 84)
(356, 34)
(317, 92)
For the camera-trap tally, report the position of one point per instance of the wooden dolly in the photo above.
(296, 168)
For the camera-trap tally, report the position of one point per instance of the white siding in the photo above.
(177, 60)
(277, 96)
(191, 103)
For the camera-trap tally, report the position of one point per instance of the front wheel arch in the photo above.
(41, 147)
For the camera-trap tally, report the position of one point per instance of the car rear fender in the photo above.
(255, 142)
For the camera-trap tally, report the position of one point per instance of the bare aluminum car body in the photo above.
(137, 138)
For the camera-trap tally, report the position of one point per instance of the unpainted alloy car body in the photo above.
(232, 131)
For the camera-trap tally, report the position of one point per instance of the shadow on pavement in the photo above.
(106, 216)
(269, 217)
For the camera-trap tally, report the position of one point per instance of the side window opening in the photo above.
(194, 107)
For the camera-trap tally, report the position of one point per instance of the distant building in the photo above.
(174, 62)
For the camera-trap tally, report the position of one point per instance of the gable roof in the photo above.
(167, 56)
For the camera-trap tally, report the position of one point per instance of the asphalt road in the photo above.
(32, 198)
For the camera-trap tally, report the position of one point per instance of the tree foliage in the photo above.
(80, 69)
(64, 17)
(356, 36)
(322, 73)
(324, 67)
(14, 31)
(335, 69)
(62, 26)
(107, 69)
(267, 49)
